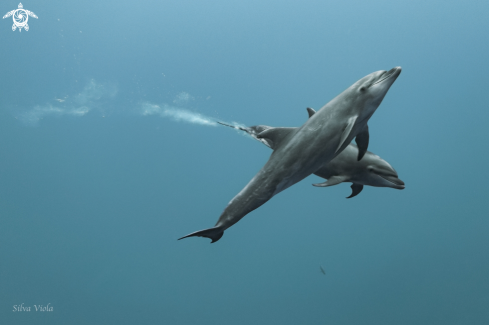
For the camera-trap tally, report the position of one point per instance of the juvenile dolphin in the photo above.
(371, 170)
(304, 150)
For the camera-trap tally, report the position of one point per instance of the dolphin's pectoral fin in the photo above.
(346, 131)
(213, 233)
(334, 180)
(362, 141)
(274, 136)
(355, 190)
(311, 111)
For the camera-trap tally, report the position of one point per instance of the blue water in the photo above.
(109, 153)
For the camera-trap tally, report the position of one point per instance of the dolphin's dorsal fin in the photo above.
(311, 111)
(333, 180)
(346, 131)
(274, 136)
(355, 190)
(362, 141)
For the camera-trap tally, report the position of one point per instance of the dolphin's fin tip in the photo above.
(333, 180)
(355, 190)
(214, 234)
(310, 111)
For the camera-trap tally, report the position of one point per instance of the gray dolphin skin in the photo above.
(304, 150)
(371, 170)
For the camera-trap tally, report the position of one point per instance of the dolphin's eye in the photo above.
(362, 88)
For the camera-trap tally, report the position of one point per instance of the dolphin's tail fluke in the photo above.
(213, 233)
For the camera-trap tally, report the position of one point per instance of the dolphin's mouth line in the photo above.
(387, 75)
(393, 180)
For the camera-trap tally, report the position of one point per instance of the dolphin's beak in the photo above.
(395, 72)
(397, 183)
(392, 73)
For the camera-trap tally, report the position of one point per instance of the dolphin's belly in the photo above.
(288, 165)
(310, 160)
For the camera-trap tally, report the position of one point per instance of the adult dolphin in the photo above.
(304, 150)
(371, 170)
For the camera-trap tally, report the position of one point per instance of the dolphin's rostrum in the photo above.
(304, 150)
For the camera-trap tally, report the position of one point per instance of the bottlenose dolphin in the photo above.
(304, 150)
(371, 170)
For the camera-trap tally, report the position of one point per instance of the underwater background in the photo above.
(109, 152)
